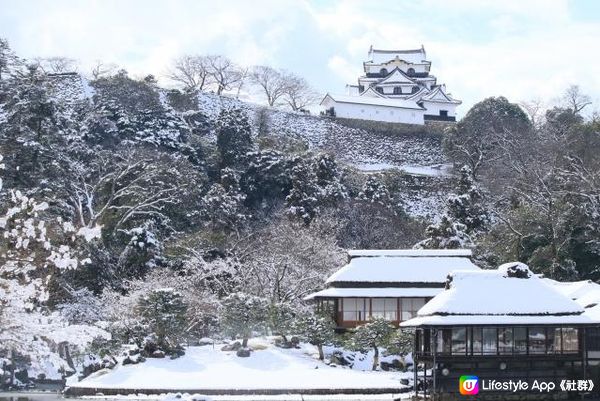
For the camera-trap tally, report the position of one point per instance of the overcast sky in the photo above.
(522, 49)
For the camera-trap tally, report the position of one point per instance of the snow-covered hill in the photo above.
(369, 148)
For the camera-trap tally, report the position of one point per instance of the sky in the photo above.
(521, 49)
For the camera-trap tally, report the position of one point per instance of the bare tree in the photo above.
(575, 99)
(243, 75)
(100, 69)
(297, 92)
(272, 82)
(535, 109)
(192, 72)
(224, 72)
(57, 65)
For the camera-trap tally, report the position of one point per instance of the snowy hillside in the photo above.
(420, 157)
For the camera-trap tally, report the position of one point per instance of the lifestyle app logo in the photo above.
(468, 385)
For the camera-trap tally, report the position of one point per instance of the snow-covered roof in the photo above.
(512, 294)
(410, 252)
(438, 95)
(402, 266)
(586, 293)
(415, 56)
(388, 292)
(397, 76)
(398, 103)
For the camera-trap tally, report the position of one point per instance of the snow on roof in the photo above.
(374, 293)
(438, 320)
(410, 252)
(510, 294)
(397, 76)
(415, 56)
(402, 266)
(586, 293)
(439, 96)
(398, 103)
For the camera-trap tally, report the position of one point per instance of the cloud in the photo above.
(522, 49)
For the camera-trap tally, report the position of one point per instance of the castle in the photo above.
(396, 87)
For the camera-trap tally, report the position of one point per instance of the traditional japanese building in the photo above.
(396, 87)
(500, 325)
(389, 284)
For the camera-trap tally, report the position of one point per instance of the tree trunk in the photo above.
(321, 354)
(375, 358)
(245, 342)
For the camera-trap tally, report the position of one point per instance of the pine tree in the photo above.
(302, 200)
(234, 139)
(375, 334)
(282, 316)
(242, 315)
(223, 203)
(466, 206)
(445, 234)
(164, 312)
(375, 191)
(316, 329)
(331, 189)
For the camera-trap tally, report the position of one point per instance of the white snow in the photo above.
(410, 252)
(375, 293)
(90, 233)
(402, 266)
(206, 367)
(494, 297)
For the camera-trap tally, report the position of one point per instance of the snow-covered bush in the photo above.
(316, 329)
(374, 334)
(242, 315)
(163, 312)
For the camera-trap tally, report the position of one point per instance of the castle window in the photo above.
(397, 90)
(379, 89)
(443, 113)
(383, 71)
(415, 89)
(410, 71)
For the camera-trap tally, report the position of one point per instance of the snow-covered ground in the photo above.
(268, 368)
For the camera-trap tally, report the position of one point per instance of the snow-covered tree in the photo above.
(286, 260)
(282, 316)
(375, 191)
(316, 329)
(445, 234)
(234, 139)
(164, 311)
(466, 206)
(331, 188)
(302, 201)
(223, 203)
(373, 335)
(242, 315)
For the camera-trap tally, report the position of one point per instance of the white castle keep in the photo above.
(396, 87)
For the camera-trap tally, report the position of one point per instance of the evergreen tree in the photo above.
(375, 334)
(223, 203)
(302, 200)
(234, 138)
(445, 234)
(242, 315)
(163, 311)
(466, 206)
(375, 191)
(331, 189)
(282, 316)
(316, 329)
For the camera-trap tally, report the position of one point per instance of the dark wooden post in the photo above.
(415, 365)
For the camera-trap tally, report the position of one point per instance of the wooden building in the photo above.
(499, 325)
(390, 284)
